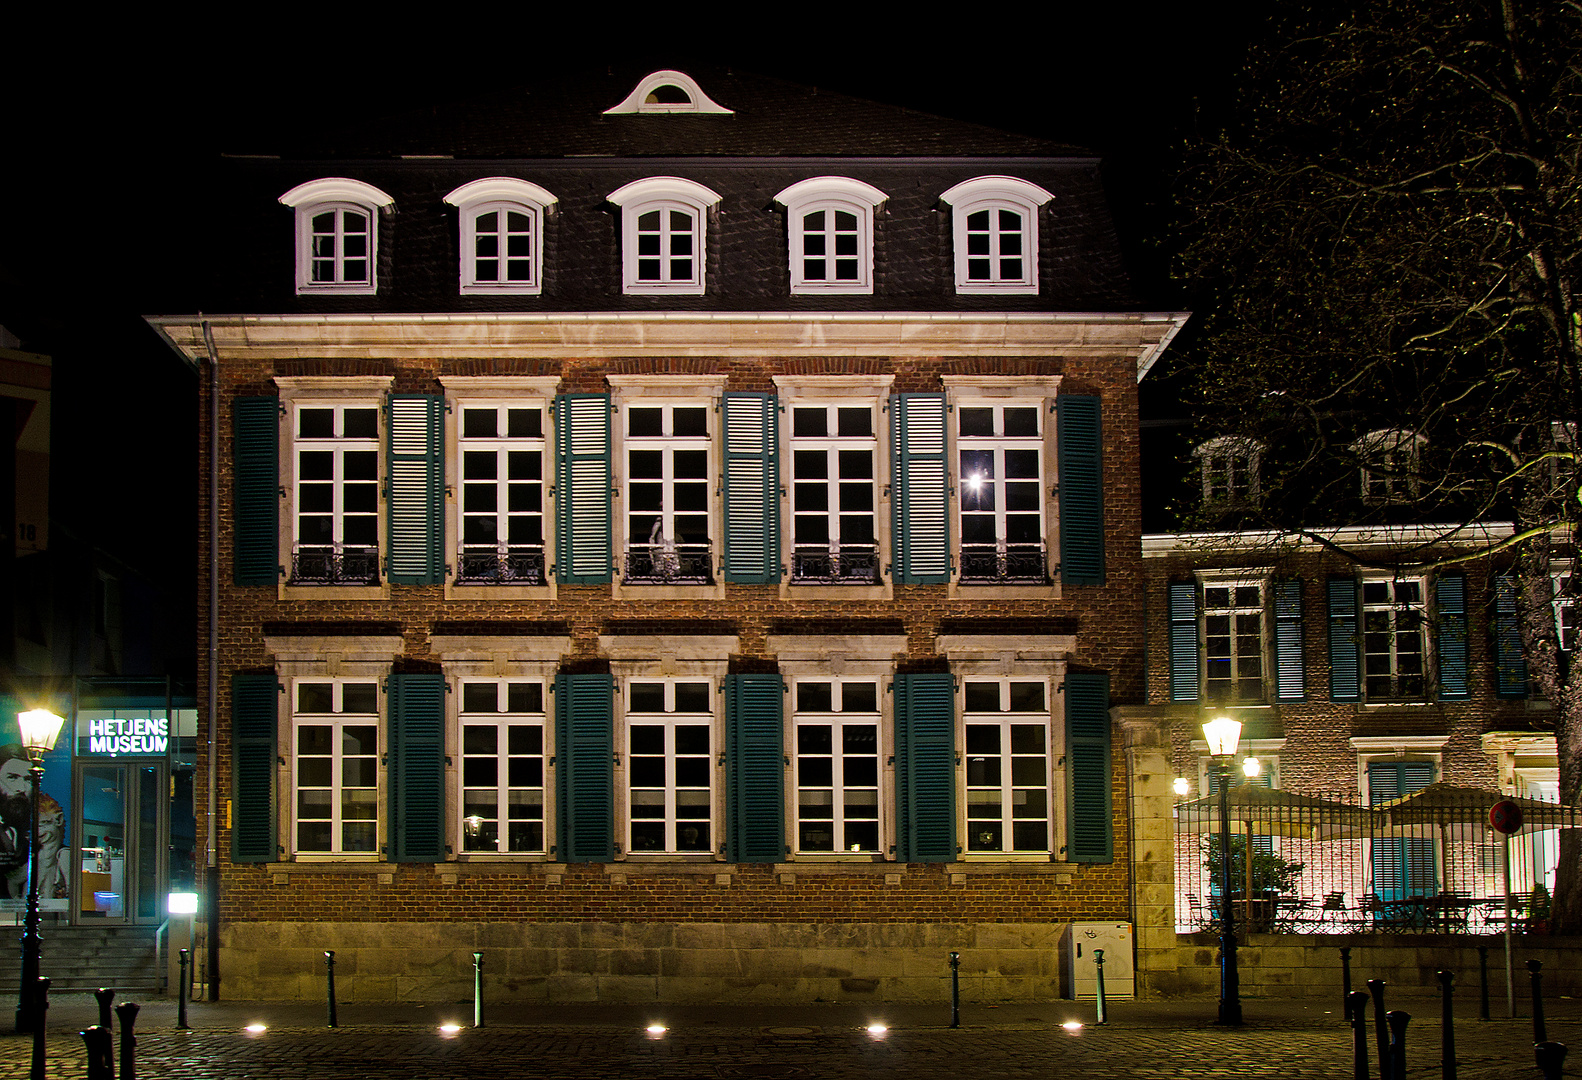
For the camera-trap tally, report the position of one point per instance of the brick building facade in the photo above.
(681, 540)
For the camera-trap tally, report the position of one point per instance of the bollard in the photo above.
(1098, 961)
(128, 1014)
(1535, 969)
(1358, 1008)
(955, 989)
(329, 971)
(477, 989)
(1447, 1029)
(41, 1005)
(1483, 982)
(1397, 1021)
(101, 1060)
(1381, 1029)
(1345, 981)
(1551, 1058)
(181, 992)
(105, 996)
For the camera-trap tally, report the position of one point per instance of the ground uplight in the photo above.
(449, 1029)
(255, 1029)
(1072, 1026)
(655, 1030)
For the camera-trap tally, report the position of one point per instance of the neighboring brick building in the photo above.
(717, 586)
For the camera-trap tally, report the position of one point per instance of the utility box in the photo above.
(1079, 975)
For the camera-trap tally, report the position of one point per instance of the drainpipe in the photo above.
(212, 879)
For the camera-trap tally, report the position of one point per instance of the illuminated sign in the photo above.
(122, 735)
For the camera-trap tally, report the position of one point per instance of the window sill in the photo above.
(996, 591)
(793, 591)
(334, 592)
(711, 591)
(466, 591)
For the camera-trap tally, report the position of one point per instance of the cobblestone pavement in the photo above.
(1291, 1040)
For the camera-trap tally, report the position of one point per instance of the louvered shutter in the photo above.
(582, 487)
(1081, 490)
(584, 767)
(254, 718)
(1289, 654)
(1090, 829)
(255, 490)
(416, 502)
(1510, 661)
(1183, 641)
(752, 488)
(925, 738)
(416, 776)
(754, 769)
(1402, 865)
(1450, 601)
(1345, 666)
(919, 523)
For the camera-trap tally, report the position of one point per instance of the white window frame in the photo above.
(338, 446)
(668, 722)
(664, 548)
(828, 195)
(997, 444)
(1390, 463)
(335, 720)
(507, 554)
(1564, 592)
(1004, 719)
(646, 96)
(837, 720)
(503, 721)
(1234, 610)
(832, 445)
(502, 195)
(1391, 614)
(339, 194)
(665, 194)
(993, 193)
(1230, 467)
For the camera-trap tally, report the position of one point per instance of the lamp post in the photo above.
(1222, 735)
(40, 728)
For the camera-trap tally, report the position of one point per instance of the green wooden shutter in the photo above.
(754, 769)
(1510, 662)
(255, 703)
(1289, 652)
(1450, 602)
(255, 491)
(1402, 865)
(752, 488)
(582, 486)
(416, 501)
(1090, 828)
(1345, 665)
(925, 756)
(1184, 680)
(1081, 490)
(417, 768)
(584, 767)
(918, 520)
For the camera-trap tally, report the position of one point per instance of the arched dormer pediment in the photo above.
(501, 189)
(660, 188)
(668, 91)
(337, 189)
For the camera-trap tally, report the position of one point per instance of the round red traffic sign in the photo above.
(1505, 816)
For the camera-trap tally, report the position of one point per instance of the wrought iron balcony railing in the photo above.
(849, 564)
(518, 565)
(1009, 564)
(335, 566)
(669, 564)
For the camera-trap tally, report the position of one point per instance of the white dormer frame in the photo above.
(831, 194)
(500, 194)
(1249, 452)
(1395, 454)
(664, 194)
(993, 193)
(337, 194)
(697, 101)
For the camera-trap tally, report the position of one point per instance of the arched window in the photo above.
(1229, 467)
(1389, 470)
(667, 92)
(995, 228)
(662, 234)
(829, 222)
(502, 247)
(337, 227)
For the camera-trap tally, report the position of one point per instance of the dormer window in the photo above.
(662, 234)
(337, 228)
(1229, 465)
(1389, 471)
(668, 92)
(829, 222)
(501, 222)
(995, 228)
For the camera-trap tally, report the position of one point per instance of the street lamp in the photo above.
(1222, 735)
(40, 728)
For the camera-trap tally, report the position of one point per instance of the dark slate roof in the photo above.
(562, 116)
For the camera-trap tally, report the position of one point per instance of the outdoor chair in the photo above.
(1201, 919)
(1335, 912)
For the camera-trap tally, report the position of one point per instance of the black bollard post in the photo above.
(1345, 981)
(41, 1003)
(101, 1059)
(1397, 1021)
(128, 1014)
(1551, 1059)
(105, 996)
(1098, 963)
(1535, 969)
(1381, 1029)
(1447, 1029)
(477, 989)
(329, 971)
(181, 994)
(955, 989)
(1357, 1006)
(1483, 982)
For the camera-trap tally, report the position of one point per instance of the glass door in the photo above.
(119, 845)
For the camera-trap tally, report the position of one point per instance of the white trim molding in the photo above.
(337, 189)
(638, 101)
